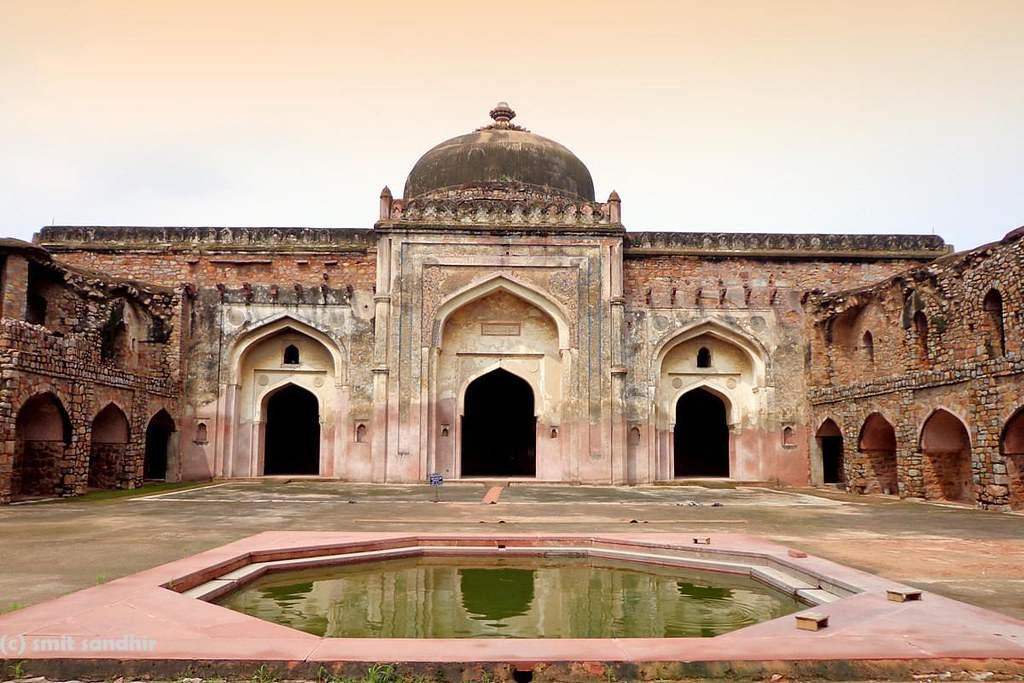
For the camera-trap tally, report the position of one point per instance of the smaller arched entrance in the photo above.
(292, 436)
(107, 449)
(499, 427)
(830, 449)
(946, 447)
(701, 436)
(158, 445)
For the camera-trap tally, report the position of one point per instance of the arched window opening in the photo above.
(704, 357)
(788, 437)
(869, 346)
(360, 433)
(921, 330)
(946, 465)
(202, 433)
(291, 355)
(993, 306)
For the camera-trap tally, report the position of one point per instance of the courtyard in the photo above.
(54, 548)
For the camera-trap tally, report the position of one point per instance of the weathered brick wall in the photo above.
(958, 363)
(231, 257)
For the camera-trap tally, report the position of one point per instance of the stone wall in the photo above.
(71, 363)
(935, 345)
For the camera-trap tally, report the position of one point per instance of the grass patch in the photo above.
(144, 490)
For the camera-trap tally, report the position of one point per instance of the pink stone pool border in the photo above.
(864, 627)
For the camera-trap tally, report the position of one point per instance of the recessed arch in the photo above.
(42, 432)
(493, 284)
(877, 440)
(279, 324)
(732, 415)
(713, 328)
(1011, 444)
(992, 305)
(110, 436)
(945, 445)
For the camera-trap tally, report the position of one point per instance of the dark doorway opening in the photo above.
(158, 437)
(292, 442)
(830, 445)
(499, 429)
(832, 459)
(701, 436)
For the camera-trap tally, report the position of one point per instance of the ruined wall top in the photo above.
(786, 245)
(63, 237)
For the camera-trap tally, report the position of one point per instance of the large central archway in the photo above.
(701, 436)
(499, 427)
(292, 437)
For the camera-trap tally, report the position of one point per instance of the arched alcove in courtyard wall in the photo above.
(946, 458)
(1012, 447)
(730, 390)
(828, 439)
(876, 469)
(42, 435)
(110, 436)
(287, 356)
(501, 330)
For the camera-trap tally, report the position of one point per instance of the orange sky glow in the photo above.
(788, 115)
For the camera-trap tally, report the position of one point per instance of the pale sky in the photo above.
(776, 116)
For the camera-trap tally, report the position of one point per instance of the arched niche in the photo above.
(503, 325)
(284, 353)
(109, 441)
(160, 446)
(42, 434)
(736, 376)
(877, 441)
(254, 337)
(945, 445)
(1011, 445)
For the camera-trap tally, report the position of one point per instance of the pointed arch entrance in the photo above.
(1012, 446)
(829, 440)
(499, 427)
(158, 440)
(701, 435)
(292, 434)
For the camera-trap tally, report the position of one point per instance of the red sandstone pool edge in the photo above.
(866, 631)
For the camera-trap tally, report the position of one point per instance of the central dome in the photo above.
(501, 154)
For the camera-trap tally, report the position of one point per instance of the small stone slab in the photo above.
(902, 596)
(811, 621)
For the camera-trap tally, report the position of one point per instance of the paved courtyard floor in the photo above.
(49, 549)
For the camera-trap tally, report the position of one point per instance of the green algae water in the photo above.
(509, 598)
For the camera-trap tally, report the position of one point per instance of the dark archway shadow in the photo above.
(158, 437)
(701, 435)
(292, 437)
(499, 428)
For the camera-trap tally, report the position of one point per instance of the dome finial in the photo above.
(502, 114)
